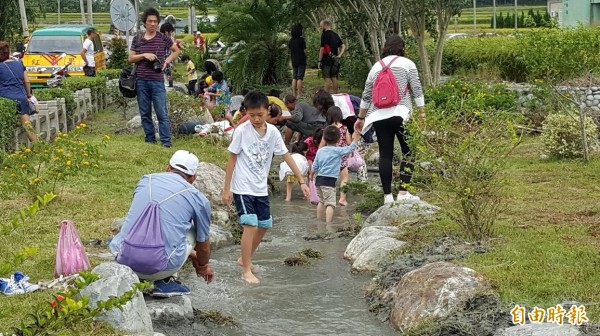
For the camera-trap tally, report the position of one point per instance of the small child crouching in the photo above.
(326, 169)
(285, 172)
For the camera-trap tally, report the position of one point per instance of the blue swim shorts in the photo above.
(254, 210)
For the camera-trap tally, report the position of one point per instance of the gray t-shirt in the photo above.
(306, 113)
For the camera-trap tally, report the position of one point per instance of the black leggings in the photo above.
(386, 130)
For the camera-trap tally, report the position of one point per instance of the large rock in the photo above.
(399, 212)
(171, 310)
(178, 87)
(219, 236)
(371, 246)
(114, 280)
(542, 329)
(210, 181)
(433, 291)
(147, 334)
(136, 122)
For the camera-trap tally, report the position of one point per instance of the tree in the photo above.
(10, 23)
(417, 14)
(262, 56)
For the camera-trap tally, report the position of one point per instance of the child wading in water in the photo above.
(326, 168)
(298, 152)
(251, 150)
(335, 118)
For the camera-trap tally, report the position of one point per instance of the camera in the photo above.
(156, 66)
(212, 90)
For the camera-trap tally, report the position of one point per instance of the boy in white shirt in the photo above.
(87, 54)
(251, 151)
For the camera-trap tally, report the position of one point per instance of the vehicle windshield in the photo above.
(54, 45)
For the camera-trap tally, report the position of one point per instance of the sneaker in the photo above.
(387, 199)
(9, 287)
(169, 287)
(22, 282)
(408, 197)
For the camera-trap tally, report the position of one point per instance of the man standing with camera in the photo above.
(87, 54)
(149, 53)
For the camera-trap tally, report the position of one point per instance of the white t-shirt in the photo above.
(301, 163)
(88, 45)
(254, 156)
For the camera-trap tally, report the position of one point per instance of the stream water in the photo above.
(323, 298)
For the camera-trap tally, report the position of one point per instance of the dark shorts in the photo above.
(254, 210)
(304, 128)
(331, 71)
(89, 71)
(298, 72)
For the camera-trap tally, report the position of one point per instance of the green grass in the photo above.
(546, 248)
(92, 202)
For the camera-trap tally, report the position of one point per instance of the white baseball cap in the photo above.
(185, 162)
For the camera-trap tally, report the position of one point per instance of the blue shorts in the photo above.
(254, 210)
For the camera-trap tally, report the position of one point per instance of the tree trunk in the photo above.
(425, 66)
(24, 26)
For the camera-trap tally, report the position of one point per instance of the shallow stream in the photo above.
(323, 298)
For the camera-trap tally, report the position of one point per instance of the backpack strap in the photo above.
(168, 198)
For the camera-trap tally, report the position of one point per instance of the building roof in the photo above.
(63, 30)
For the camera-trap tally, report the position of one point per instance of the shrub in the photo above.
(465, 155)
(459, 97)
(8, 122)
(182, 108)
(562, 138)
(80, 82)
(551, 54)
(110, 73)
(119, 54)
(354, 69)
(38, 169)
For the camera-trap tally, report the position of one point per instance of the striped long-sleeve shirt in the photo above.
(409, 85)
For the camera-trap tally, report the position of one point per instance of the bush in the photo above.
(8, 122)
(119, 53)
(561, 135)
(459, 97)
(551, 54)
(110, 73)
(475, 54)
(181, 109)
(76, 83)
(354, 69)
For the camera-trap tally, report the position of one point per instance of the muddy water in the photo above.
(323, 298)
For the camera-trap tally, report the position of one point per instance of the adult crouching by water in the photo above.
(14, 85)
(389, 121)
(149, 53)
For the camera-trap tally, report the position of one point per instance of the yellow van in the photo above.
(46, 45)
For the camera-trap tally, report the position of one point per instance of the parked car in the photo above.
(42, 56)
(456, 36)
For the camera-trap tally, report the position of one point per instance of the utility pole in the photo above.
(82, 8)
(23, 18)
(516, 16)
(58, 7)
(475, 15)
(494, 18)
(90, 15)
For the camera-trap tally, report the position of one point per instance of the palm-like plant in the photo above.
(261, 26)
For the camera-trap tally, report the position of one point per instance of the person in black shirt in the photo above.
(298, 52)
(332, 48)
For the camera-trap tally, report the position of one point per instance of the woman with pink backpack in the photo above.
(386, 105)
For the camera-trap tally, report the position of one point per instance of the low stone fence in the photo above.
(52, 117)
(590, 96)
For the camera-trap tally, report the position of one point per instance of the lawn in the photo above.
(92, 202)
(546, 247)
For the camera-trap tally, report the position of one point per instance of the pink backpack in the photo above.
(385, 88)
(71, 257)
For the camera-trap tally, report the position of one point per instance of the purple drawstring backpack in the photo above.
(143, 248)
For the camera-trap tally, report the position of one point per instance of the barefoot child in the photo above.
(250, 153)
(298, 154)
(335, 118)
(326, 169)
